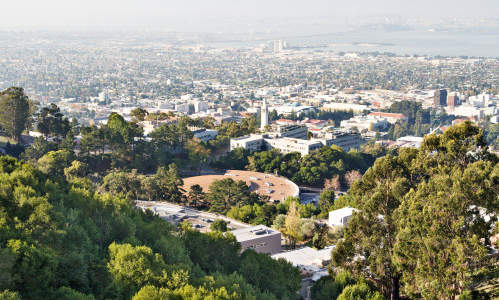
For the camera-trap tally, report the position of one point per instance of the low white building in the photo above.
(310, 261)
(289, 130)
(251, 143)
(409, 142)
(254, 143)
(341, 216)
(182, 108)
(345, 140)
(334, 106)
(200, 106)
(369, 123)
(288, 145)
(204, 134)
(260, 238)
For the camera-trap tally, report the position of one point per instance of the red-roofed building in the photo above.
(315, 132)
(390, 117)
(285, 122)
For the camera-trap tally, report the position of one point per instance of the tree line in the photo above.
(425, 218)
(314, 169)
(61, 238)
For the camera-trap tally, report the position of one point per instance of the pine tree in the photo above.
(15, 111)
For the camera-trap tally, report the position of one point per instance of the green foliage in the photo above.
(132, 267)
(34, 268)
(445, 206)
(219, 225)
(150, 292)
(165, 185)
(335, 116)
(420, 223)
(225, 193)
(198, 154)
(343, 286)
(278, 277)
(54, 162)
(172, 135)
(15, 111)
(492, 135)
(359, 291)
(218, 286)
(51, 122)
(60, 240)
(39, 148)
(65, 293)
(77, 169)
(419, 121)
(325, 289)
(320, 236)
(312, 169)
(326, 202)
(139, 114)
(8, 295)
(236, 159)
(213, 252)
(196, 196)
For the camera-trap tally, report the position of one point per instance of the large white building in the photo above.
(288, 145)
(278, 46)
(367, 123)
(252, 143)
(182, 108)
(333, 106)
(262, 142)
(285, 145)
(342, 139)
(200, 106)
(291, 131)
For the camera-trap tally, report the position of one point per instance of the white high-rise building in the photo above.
(278, 46)
(265, 115)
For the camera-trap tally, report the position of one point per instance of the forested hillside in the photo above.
(60, 239)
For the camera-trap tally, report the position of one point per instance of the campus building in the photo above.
(343, 139)
(440, 98)
(260, 238)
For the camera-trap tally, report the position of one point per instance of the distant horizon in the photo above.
(228, 15)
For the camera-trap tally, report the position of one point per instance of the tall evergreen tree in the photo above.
(15, 111)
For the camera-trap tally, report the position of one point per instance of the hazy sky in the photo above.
(197, 13)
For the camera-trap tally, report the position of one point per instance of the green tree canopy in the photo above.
(15, 111)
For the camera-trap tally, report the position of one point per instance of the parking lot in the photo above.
(175, 214)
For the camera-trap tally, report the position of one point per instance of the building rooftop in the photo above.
(250, 233)
(298, 141)
(342, 212)
(387, 115)
(249, 137)
(307, 257)
(281, 187)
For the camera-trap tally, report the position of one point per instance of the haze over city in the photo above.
(193, 14)
(269, 150)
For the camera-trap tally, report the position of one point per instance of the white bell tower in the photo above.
(265, 115)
